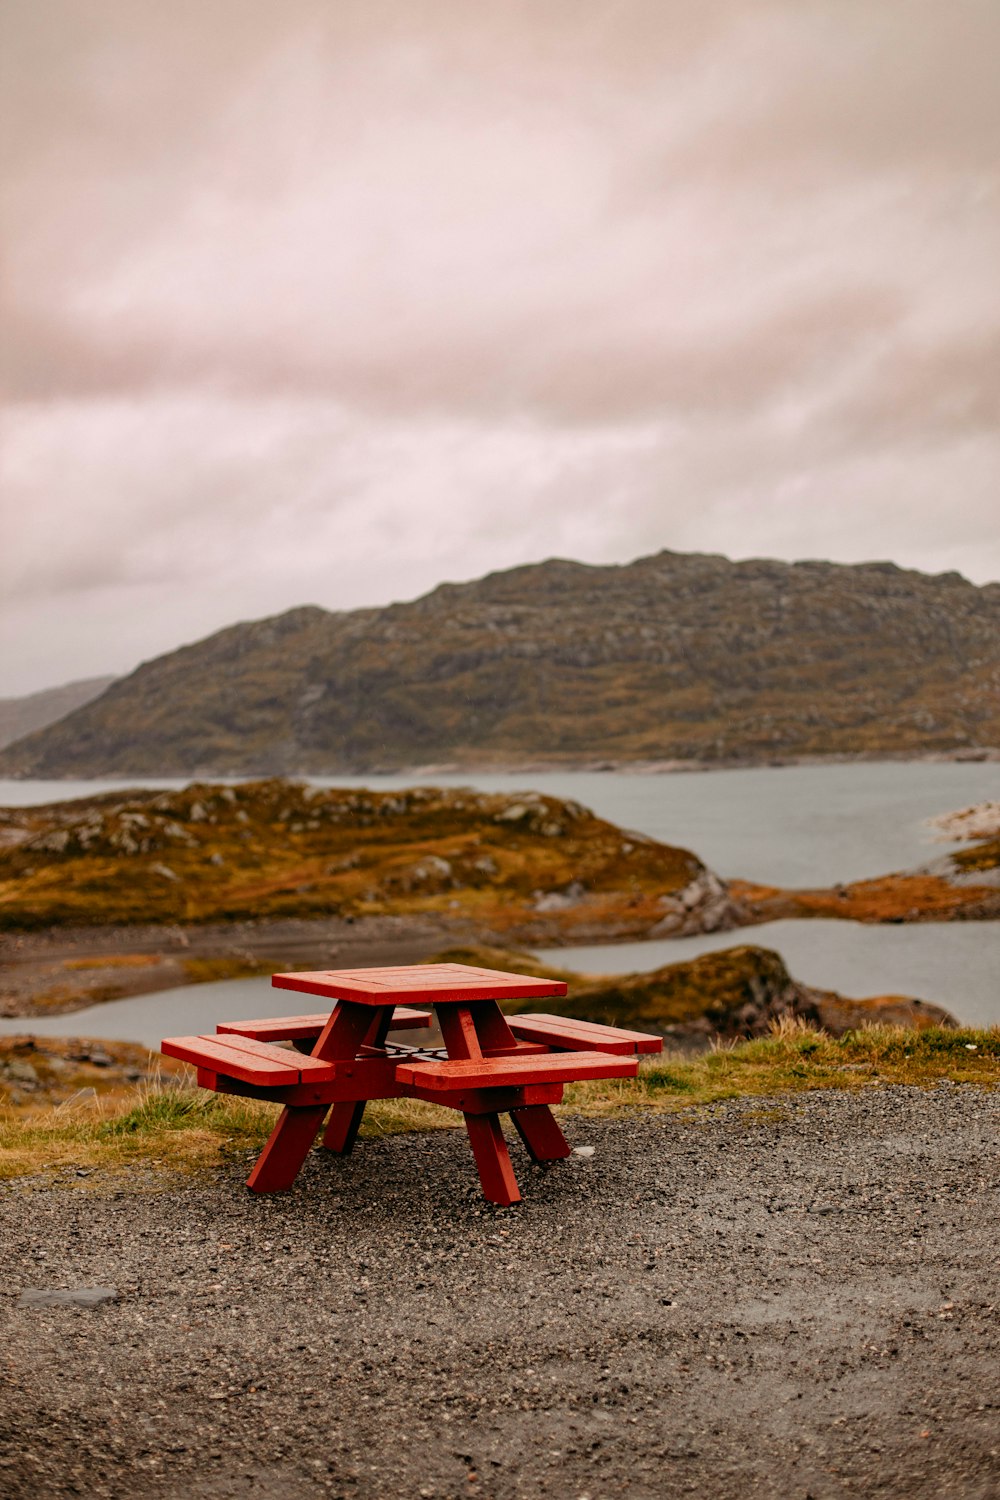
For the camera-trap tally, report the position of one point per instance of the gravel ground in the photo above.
(796, 1298)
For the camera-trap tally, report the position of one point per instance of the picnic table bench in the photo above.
(342, 1057)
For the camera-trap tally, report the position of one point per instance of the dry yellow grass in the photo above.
(175, 1127)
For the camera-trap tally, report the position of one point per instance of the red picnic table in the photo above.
(490, 1063)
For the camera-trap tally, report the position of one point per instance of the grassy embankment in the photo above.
(180, 1128)
(962, 885)
(277, 850)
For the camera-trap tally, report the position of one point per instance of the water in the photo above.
(793, 825)
(790, 825)
(191, 1010)
(954, 964)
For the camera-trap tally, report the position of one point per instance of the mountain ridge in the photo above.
(671, 657)
(27, 712)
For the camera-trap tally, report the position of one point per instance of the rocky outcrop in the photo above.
(534, 868)
(736, 993)
(673, 658)
(706, 904)
(962, 886)
(837, 1015)
(38, 1071)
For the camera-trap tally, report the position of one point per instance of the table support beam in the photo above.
(493, 1159)
(343, 1126)
(539, 1130)
(277, 1166)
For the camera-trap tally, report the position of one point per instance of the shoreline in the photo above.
(63, 970)
(59, 971)
(533, 765)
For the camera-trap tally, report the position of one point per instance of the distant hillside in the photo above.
(673, 656)
(21, 716)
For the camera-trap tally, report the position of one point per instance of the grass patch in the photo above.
(113, 961)
(795, 1058)
(211, 970)
(178, 1127)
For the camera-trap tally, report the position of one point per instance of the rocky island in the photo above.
(961, 886)
(137, 891)
(102, 896)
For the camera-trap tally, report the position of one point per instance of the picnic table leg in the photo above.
(493, 1159)
(345, 1119)
(277, 1166)
(342, 1127)
(539, 1130)
(465, 1028)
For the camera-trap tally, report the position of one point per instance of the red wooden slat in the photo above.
(311, 1069)
(502, 1072)
(480, 1101)
(354, 1081)
(538, 1129)
(222, 1057)
(493, 1159)
(558, 1031)
(520, 1049)
(433, 983)
(302, 1028)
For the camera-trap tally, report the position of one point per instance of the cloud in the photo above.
(425, 290)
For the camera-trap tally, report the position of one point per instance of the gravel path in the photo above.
(796, 1298)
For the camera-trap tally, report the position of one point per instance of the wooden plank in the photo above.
(459, 1032)
(304, 1028)
(433, 983)
(560, 1031)
(486, 1101)
(310, 1069)
(501, 1072)
(519, 1049)
(538, 1129)
(220, 1056)
(493, 1159)
(352, 1089)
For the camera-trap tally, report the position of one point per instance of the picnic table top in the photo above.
(435, 984)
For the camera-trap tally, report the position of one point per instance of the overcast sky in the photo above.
(313, 302)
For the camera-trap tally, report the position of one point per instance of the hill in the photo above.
(734, 993)
(675, 656)
(21, 716)
(539, 866)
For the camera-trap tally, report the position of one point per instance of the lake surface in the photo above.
(789, 825)
(956, 964)
(793, 825)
